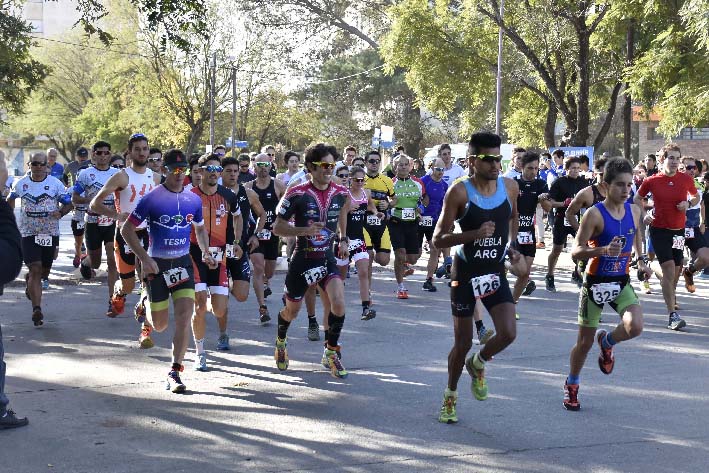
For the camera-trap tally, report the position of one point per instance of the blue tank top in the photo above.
(436, 191)
(608, 266)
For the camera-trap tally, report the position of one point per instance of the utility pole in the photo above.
(498, 98)
(233, 112)
(211, 101)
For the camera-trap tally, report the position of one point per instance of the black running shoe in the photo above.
(368, 314)
(313, 329)
(267, 291)
(529, 288)
(11, 421)
(428, 286)
(84, 270)
(549, 280)
(676, 322)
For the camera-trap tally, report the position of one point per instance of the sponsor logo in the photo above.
(164, 219)
(189, 218)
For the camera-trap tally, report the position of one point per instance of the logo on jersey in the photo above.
(188, 218)
(164, 219)
(25, 187)
(178, 219)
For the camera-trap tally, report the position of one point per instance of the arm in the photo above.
(702, 217)
(260, 213)
(203, 242)
(129, 235)
(592, 224)
(116, 182)
(371, 206)
(282, 229)
(638, 241)
(583, 200)
(280, 187)
(344, 245)
(238, 222)
(453, 206)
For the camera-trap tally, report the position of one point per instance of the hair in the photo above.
(316, 152)
(37, 155)
(706, 176)
(340, 168)
(670, 147)
(400, 149)
(100, 144)
(529, 157)
(176, 152)
(371, 152)
(204, 159)
(583, 159)
(351, 148)
(651, 156)
(136, 138)
(219, 147)
(228, 160)
(615, 167)
(359, 158)
(443, 147)
(194, 159)
(641, 166)
(599, 163)
(558, 152)
(117, 157)
(155, 150)
(570, 161)
(688, 158)
(290, 154)
(263, 150)
(518, 149)
(545, 155)
(244, 157)
(356, 170)
(483, 139)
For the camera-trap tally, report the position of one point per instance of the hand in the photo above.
(382, 205)
(314, 229)
(344, 251)
(683, 206)
(567, 202)
(645, 269)
(614, 248)
(252, 243)
(544, 196)
(121, 217)
(518, 265)
(209, 260)
(486, 230)
(238, 252)
(149, 267)
(648, 219)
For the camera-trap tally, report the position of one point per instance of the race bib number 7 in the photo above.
(485, 285)
(175, 276)
(216, 253)
(43, 240)
(605, 292)
(315, 275)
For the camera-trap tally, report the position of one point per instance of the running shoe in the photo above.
(549, 280)
(200, 363)
(368, 313)
(408, 269)
(76, 261)
(174, 383)
(45, 284)
(402, 294)
(571, 393)
(37, 317)
(428, 286)
(529, 288)
(606, 360)
(263, 316)
(676, 322)
(85, 270)
(575, 277)
(313, 329)
(688, 280)
(478, 385)
(223, 342)
(267, 291)
(118, 301)
(281, 354)
(10, 420)
(324, 361)
(541, 245)
(440, 271)
(335, 363)
(144, 339)
(140, 309)
(484, 335)
(111, 312)
(448, 414)
(646, 287)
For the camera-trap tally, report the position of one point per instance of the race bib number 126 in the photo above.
(485, 285)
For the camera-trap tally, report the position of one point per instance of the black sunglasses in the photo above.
(38, 163)
(374, 161)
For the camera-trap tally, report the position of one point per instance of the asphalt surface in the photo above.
(97, 403)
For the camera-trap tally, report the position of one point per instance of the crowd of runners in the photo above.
(197, 229)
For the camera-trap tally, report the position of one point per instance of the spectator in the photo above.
(418, 170)
(55, 169)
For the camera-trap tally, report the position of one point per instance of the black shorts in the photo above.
(296, 282)
(239, 269)
(269, 248)
(98, 235)
(560, 232)
(125, 259)
(77, 227)
(405, 235)
(158, 290)
(663, 240)
(526, 250)
(694, 239)
(32, 251)
(426, 233)
(463, 297)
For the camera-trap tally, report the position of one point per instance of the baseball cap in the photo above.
(83, 152)
(174, 158)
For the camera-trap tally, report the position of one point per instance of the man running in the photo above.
(485, 207)
(171, 213)
(669, 190)
(71, 172)
(436, 189)
(270, 191)
(320, 209)
(222, 215)
(692, 229)
(43, 201)
(608, 233)
(515, 170)
(376, 233)
(100, 230)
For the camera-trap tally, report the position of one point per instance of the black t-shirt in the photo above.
(705, 200)
(245, 177)
(528, 200)
(565, 188)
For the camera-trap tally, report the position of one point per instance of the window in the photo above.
(694, 134)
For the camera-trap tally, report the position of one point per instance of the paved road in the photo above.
(97, 403)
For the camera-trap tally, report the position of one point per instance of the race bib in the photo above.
(566, 222)
(43, 240)
(485, 285)
(678, 242)
(264, 235)
(175, 276)
(689, 233)
(426, 221)
(408, 214)
(314, 275)
(216, 252)
(525, 238)
(354, 244)
(80, 225)
(127, 249)
(104, 221)
(229, 251)
(373, 220)
(605, 292)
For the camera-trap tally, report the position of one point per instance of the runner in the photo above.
(40, 197)
(607, 234)
(129, 185)
(403, 223)
(155, 160)
(436, 189)
(270, 191)
(320, 209)
(222, 215)
(100, 230)
(515, 170)
(245, 173)
(71, 171)
(692, 229)
(376, 233)
(485, 207)
(292, 161)
(667, 234)
(170, 213)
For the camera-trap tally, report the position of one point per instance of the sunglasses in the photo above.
(271, 154)
(358, 179)
(439, 169)
(690, 167)
(38, 163)
(488, 157)
(102, 153)
(212, 168)
(374, 161)
(324, 165)
(343, 176)
(263, 165)
(154, 160)
(118, 166)
(177, 169)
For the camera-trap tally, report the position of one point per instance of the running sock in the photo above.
(311, 317)
(607, 341)
(335, 324)
(199, 345)
(282, 327)
(365, 304)
(478, 325)
(449, 393)
(479, 361)
(401, 287)
(573, 379)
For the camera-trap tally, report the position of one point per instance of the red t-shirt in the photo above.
(667, 192)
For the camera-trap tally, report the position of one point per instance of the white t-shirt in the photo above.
(512, 173)
(450, 175)
(298, 178)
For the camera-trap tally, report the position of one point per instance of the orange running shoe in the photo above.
(408, 269)
(144, 339)
(606, 360)
(118, 303)
(402, 294)
(571, 393)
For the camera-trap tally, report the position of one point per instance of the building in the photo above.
(50, 19)
(692, 141)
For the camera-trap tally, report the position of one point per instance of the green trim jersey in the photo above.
(408, 193)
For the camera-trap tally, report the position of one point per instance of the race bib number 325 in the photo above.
(605, 292)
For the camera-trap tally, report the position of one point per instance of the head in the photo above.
(262, 165)
(155, 159)
(484, 155)
(138, 149)
(101, 154)
(230, 171)
(558, 157)
(373, 162)
(640, 171)
(583, 159)
(292, 161)
(598, 166)
(544, 161)
(52, 154)
(358, 162)
(530, 165)
(195, 171)
(671, 157)
(82, 154)
(219, 150)
(402, 166)
(320, 161)
(650, 161)
(244, 162)
(350, 153)
(445, 153)
(343, 174)
(175, 166)
(438, 169)
(117, 161)
(706, 179)
(690, 166)
(517, 155)
(270, 151)
(618, 179)
(357, 178)
(572, 167)
(211, 169)
(38, 165)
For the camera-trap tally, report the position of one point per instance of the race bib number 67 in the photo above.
(175, 276)
(485, 285)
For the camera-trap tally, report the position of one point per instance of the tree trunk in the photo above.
(628, 105)
(550, 124)
(412, 134)
(194, 137)
(583, 116)
(609, 117)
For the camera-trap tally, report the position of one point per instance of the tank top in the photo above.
(486, 255)
(269, 201)
(356, 217)
(245, 206)
(609, 266)
(138, 186)
(408, 193)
